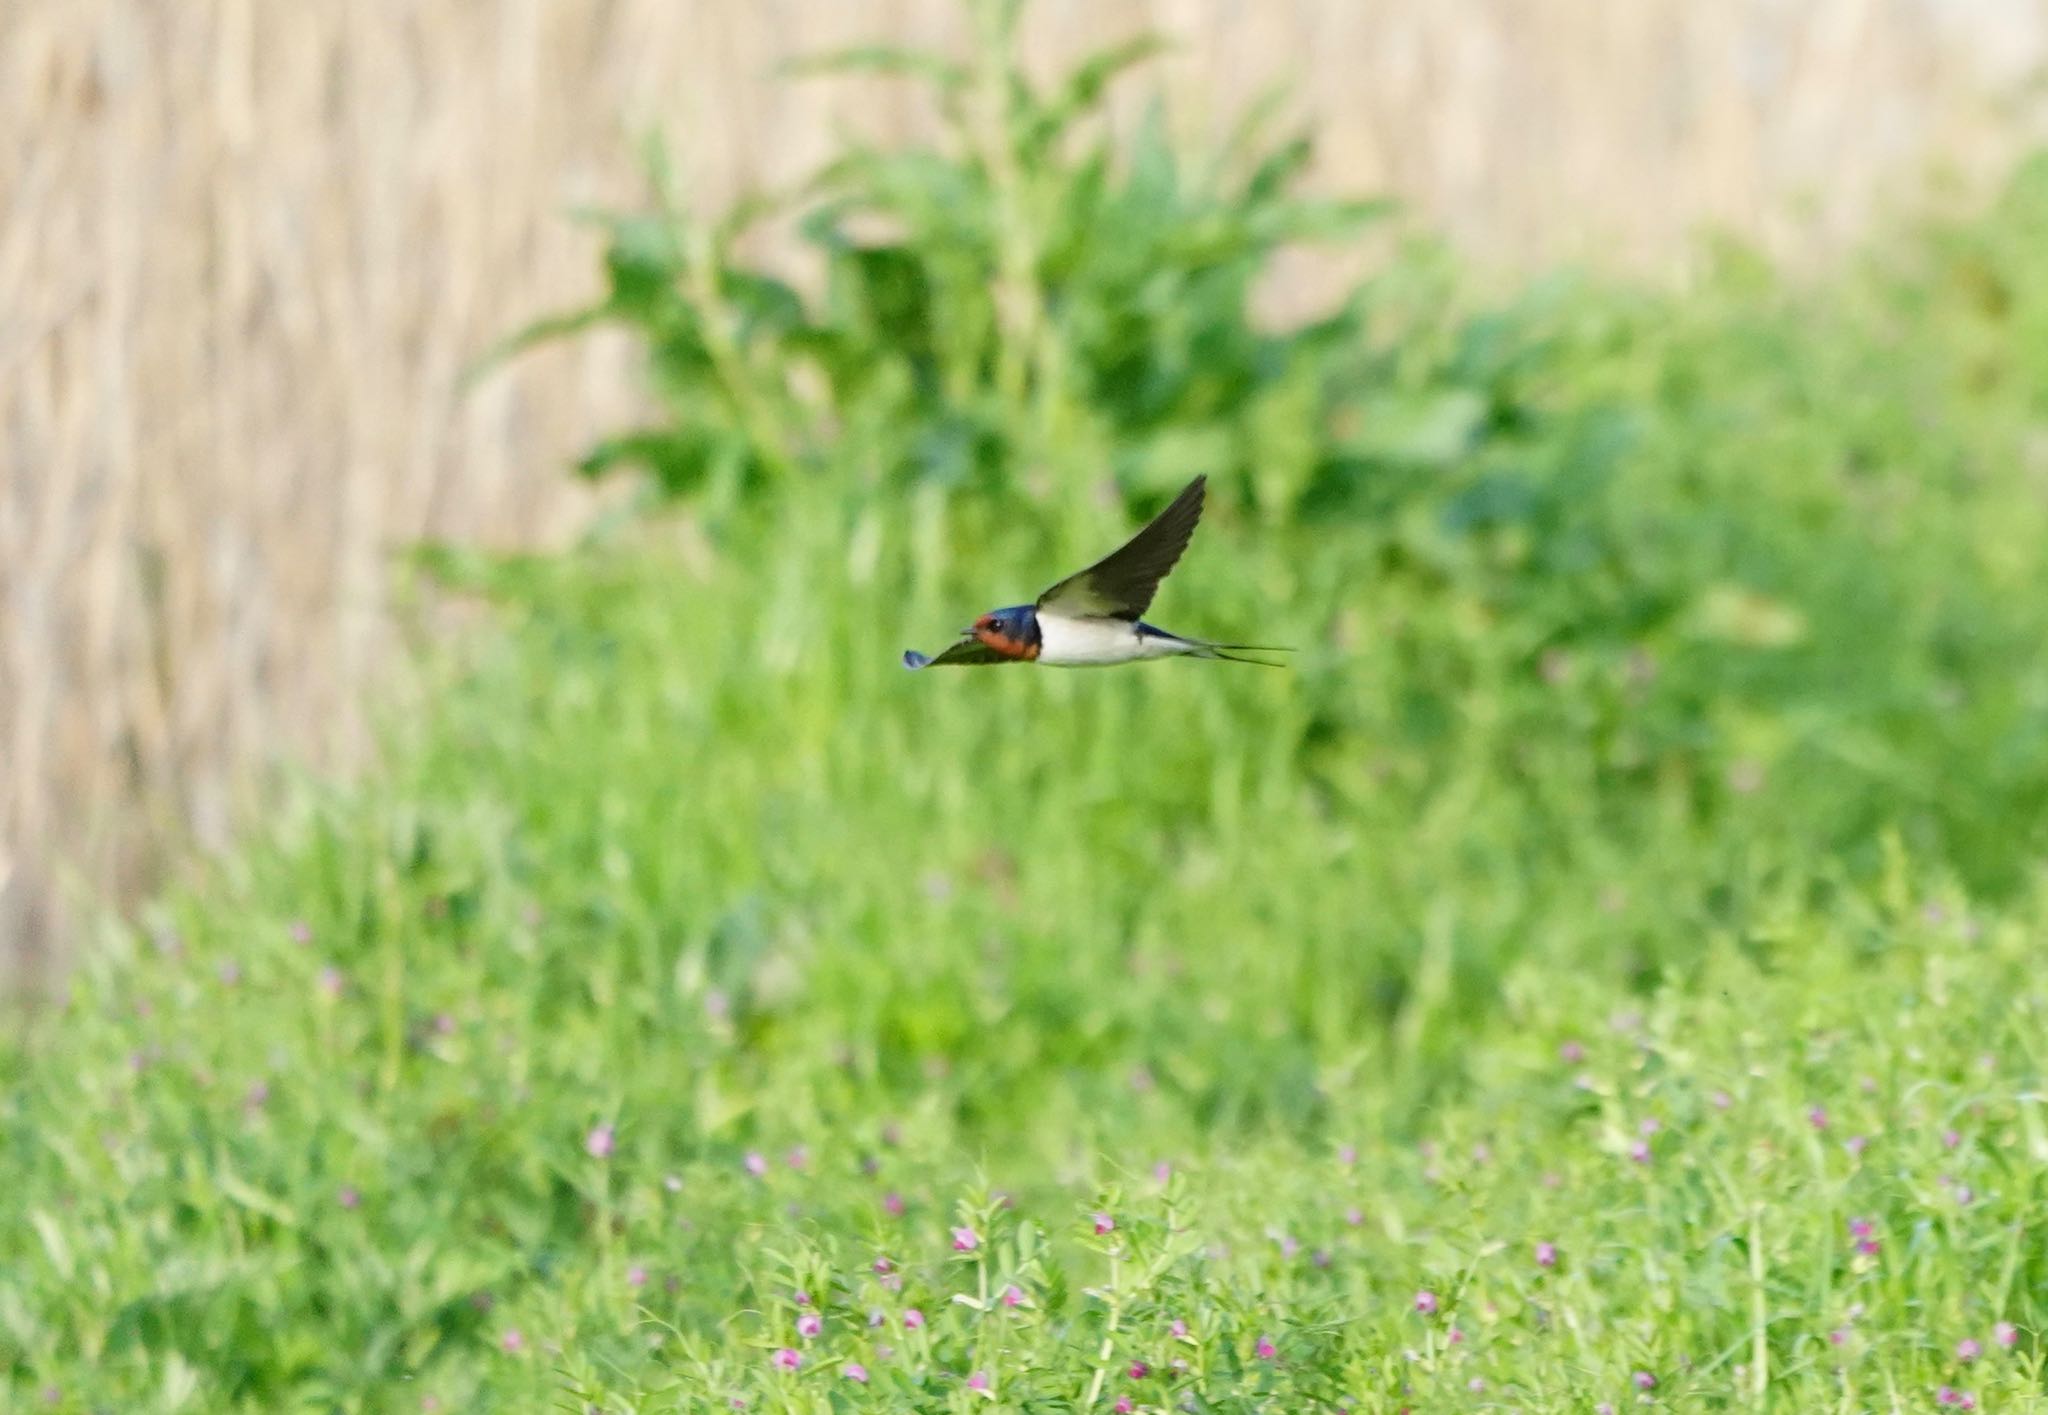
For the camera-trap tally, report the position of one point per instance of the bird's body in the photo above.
(1092, 619)
(1088, 643)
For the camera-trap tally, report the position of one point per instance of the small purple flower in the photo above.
(1640, 1152)
(978, 1381)
(1572, 1053)
(2006, 1335)
(965, 1240)
(1425, 1302)
(1476, 1384)
(883, 1266)
(1354, 1216)
(876, 1316)
(348, 1198)
(230, 973)
(856, 1373)
(892, 1203)
(332, 984)
(809, 1324)
(1950, 1139)
(1948, 1395)
(301, 932)
(797, 1158)
(512, 1341)
(1838, 1337)
(1013, 1296)
(599, 1142)
(636, 1276)
(1856, 1145)
(1546, 1255)
(789, 1358)
(1162, 1171)
(1861, 1228)
(1645, 1381)
(913, 1318)
(1123, 1406)
(1456, 1336)
(1179, 1330)
(1648, 1126)
(1266, 1349)
(1721, 1100)
(1968, 1349)
(1347, 1155)
(757, 1164)
(1817, 1117)
(1104, 1224)
(1139, 1370)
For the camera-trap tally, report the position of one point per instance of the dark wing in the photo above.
(969, 651)
(1121, 584)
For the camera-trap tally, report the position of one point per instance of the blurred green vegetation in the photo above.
(1663, 653)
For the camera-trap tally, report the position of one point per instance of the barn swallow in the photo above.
(1092, 618)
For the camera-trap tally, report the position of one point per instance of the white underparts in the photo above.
(1092, 643)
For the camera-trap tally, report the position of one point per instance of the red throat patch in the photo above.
(1005, 645)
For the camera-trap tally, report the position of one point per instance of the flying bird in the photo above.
(1093, 618)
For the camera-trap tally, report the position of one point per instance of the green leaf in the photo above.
(1082, 89)
(880, 59)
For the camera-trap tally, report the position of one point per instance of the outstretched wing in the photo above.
(1121, 584)
(970, 651)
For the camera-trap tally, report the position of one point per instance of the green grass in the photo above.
(1665, 765)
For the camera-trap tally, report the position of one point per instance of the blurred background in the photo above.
(247, 253)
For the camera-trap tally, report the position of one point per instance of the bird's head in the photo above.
(1013, 633)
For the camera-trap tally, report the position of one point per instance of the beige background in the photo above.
(246, 248)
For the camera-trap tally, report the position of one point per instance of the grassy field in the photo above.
(1605, 972)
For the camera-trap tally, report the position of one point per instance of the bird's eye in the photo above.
(995, 626)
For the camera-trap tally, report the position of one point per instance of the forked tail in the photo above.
(1234, 653)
